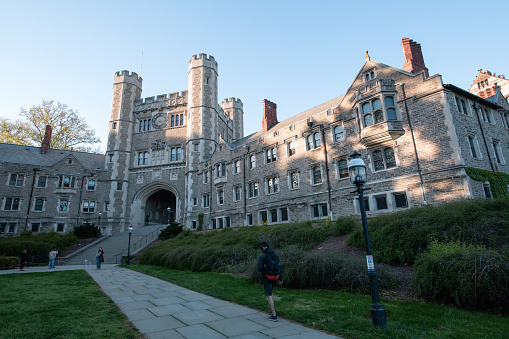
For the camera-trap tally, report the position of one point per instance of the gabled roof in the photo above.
(30, 155)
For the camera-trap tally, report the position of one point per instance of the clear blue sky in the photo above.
(297, 54)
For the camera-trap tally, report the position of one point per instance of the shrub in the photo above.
(85, 231)
(200, 222)
(171, 231)
(468, 276)
(6, 262)
(344, 225)
(398, 238)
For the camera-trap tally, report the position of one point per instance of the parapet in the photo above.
(202, 60)
(232, 103)
(163, 100)
(126, 76)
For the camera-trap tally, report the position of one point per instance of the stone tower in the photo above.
(126, 88)
(235, 109)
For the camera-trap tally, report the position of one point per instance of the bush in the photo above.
(344, 225)
(6, 262)
(468, 276)
(171, 231)
(200, 222)
(85, 231)
(398, 238)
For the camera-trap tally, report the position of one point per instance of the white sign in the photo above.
(371, 264)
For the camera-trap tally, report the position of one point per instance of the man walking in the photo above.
(52, 258)
(270, 266)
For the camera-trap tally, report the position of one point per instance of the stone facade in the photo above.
(176, 156)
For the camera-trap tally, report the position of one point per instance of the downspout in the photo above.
(210, 197)
(30, 199)
(419, 170)
(244, 188)
(322, 130)
(475, 106)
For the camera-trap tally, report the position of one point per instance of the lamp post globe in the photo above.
(169, 215)
(129, 246)
(358, 177)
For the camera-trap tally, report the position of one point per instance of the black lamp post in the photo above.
(168, 209)
(129, 246)
(357, 170)
(99, 224)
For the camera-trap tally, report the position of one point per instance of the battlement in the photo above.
(202, 60)
(129, 77)
(232, 103)
(173, 98)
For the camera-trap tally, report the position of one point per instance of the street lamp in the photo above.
(31, 194)
(129, 246)
(168, 209)
(99, 223)
(358, 177)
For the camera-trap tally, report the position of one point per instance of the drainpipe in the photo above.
(476, 107)
(244, 188)
(30, 199)
(322, 130)
(419, 170)
(210, 196)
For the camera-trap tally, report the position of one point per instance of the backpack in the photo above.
(272, 266)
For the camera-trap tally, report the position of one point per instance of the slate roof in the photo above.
(30, 155)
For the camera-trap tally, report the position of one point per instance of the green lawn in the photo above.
(344, 314)
(66, 304)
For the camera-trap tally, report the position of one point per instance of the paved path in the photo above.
(163, 310)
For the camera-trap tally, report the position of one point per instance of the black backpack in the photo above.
(272, 266)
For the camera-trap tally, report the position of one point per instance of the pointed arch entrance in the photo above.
(153, 201)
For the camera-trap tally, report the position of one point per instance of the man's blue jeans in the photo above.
(51, 263)
(98, 261)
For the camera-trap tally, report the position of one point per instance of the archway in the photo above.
(153, 201)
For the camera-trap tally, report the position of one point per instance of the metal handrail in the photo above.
(151, 234)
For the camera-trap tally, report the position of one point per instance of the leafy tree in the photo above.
(69, 129)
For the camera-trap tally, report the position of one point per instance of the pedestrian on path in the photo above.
(270, 266)
(99, 257)
(52, 257)
(23, 260)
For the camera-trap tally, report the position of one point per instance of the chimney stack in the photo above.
(269, 115)
(414, 62)
(46, 142)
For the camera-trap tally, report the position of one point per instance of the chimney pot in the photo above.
(46, 142)
(414, 61)
(269, 115)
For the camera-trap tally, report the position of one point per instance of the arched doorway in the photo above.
(153, 201)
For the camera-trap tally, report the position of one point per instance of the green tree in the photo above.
(69, 129)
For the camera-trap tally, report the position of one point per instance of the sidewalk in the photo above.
(162, 310)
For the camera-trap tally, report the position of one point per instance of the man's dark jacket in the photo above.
(261, 259)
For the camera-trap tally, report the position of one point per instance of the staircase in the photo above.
(115, 246)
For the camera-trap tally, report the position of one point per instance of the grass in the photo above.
(344, 314)
(66, 304)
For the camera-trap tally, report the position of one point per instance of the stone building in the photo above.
(183, 156)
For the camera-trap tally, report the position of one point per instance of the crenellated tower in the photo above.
(235, 109)
(126, 89)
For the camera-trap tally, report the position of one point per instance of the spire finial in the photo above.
(367, 56)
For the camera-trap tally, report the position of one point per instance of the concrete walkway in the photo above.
(163, 310)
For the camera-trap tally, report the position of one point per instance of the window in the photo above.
(366, 112)
(119, 186)
(63, 206)
(172, 121)
(176, 154)
(252, 161)
(110, 157)
(114, 125)
(253, 189)
(249, 219)
(319, 210)
(107, 206)
(313, 141)
(220, 170)
(342, 167)
(206, 200)
(270, 155)
(485, 114)
(505, 119)
(236, 166)
(487, 190)
(272, 184)
(366, 204)
(39, 204)
(91, 185)
(338, 133)
(237, 193)
(263, 216)
(400, 200)
(145, 125)
(219, 222)
(293, 178)
(213, 223)
(390, 108)
(316, 175)
(196, 147)
(60, 227)
(193, 224)
(381, 202)
(194, 201)
(69, 161)
(181, 119)
(17, 180)
(143, 158)
(35, 227)
(11, 204)
(205, 176)
(383, 159)
(462, 106)
(220, 196)
(472, 142)
(373, 112)
(291, 148)
(88, 206)
(273, 215)
(66, 181)
(498, 152)
(227, 222)
(284, 214)
(41, 182)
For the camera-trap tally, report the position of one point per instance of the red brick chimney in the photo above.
(46, 142)
(269, 115)
(414, 62)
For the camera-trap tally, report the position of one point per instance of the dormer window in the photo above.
(370, 75)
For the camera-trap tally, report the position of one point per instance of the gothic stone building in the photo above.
(183, 156)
